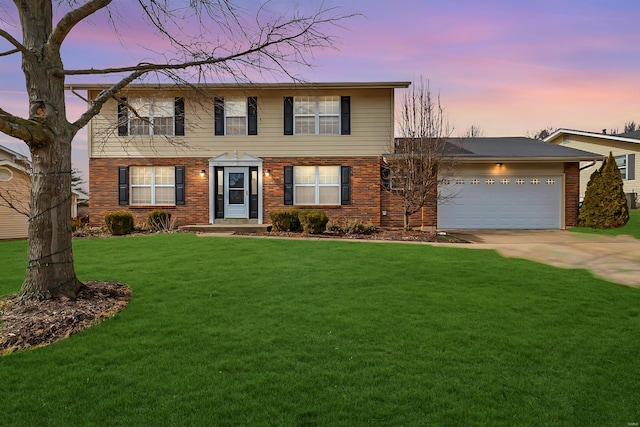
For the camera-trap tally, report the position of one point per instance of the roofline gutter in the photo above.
(304, 85)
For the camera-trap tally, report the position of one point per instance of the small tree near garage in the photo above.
(605, 204)
(422, 157)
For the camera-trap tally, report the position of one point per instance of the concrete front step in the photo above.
(226, 228)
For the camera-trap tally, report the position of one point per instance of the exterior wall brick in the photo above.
(365, 186)
(103, 179)
(571, 193)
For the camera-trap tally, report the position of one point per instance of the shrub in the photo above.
(358, 227)
(77, 224)
(280, 220)
(159, 220)
(118, 223)
(313, 221)
(605, 204)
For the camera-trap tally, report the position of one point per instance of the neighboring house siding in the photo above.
(604, 146)
(14, 225)
(371, 122)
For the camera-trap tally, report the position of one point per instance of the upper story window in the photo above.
(236, 116)
(151, 116)
(317, 115)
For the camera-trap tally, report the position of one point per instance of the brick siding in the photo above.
(571, 193)
(103, 179)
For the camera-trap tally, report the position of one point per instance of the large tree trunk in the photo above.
(50, 270)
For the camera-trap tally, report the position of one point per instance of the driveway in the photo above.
(616, 259)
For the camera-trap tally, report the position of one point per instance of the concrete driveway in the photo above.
(616, 259)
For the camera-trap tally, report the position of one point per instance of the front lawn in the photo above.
(251, 332)
(632, 228)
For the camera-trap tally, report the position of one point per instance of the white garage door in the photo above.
(516, 202)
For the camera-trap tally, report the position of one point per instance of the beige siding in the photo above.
(14, 225)
(371, 129)
(604, 146)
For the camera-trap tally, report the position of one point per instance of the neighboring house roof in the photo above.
(16, 155)
(632, 137)
(17, 161)
(635, 134)
(514, 149)
(80, 195)
(321, 85)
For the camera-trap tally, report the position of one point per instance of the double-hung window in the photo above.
(317, 185)
(622, 162)
(235, 111)
(153, 185)
(150, 116)
(236, 116)
(316, 115)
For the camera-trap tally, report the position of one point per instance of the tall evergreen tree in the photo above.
(605, 204)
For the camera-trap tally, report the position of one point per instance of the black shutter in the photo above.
(288, 115)
(219, 115)
(345, 185)
(179, 116)
(252, 115)
(123, 185)
(179, 185)
(123, 118)
(288, 185)
(631, 166)
(345, 115)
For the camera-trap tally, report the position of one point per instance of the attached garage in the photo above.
(509, 183)
(501, 202)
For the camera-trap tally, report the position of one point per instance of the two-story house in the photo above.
(234, 152)
(229, 153)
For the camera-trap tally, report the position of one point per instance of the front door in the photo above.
(236, 192)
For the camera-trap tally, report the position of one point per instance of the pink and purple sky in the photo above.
(510, 67)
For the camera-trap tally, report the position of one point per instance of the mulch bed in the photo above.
(384, 235)
(35, 323)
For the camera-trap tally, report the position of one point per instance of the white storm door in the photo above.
(236, 192)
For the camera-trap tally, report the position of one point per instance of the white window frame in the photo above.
(152, 186)
(316, 114)
(317, 185)
(244, 115)
(150, 109)
(623, 169)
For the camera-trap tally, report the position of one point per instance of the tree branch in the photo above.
(18, 46)
(34, 133)
(72, 18)
(103, 97)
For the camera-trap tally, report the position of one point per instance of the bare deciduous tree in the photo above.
(203, 39)
(473, 132)
(541, 134)
(422, 157)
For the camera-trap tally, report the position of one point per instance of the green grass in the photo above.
(632, 228)
(241, 331)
